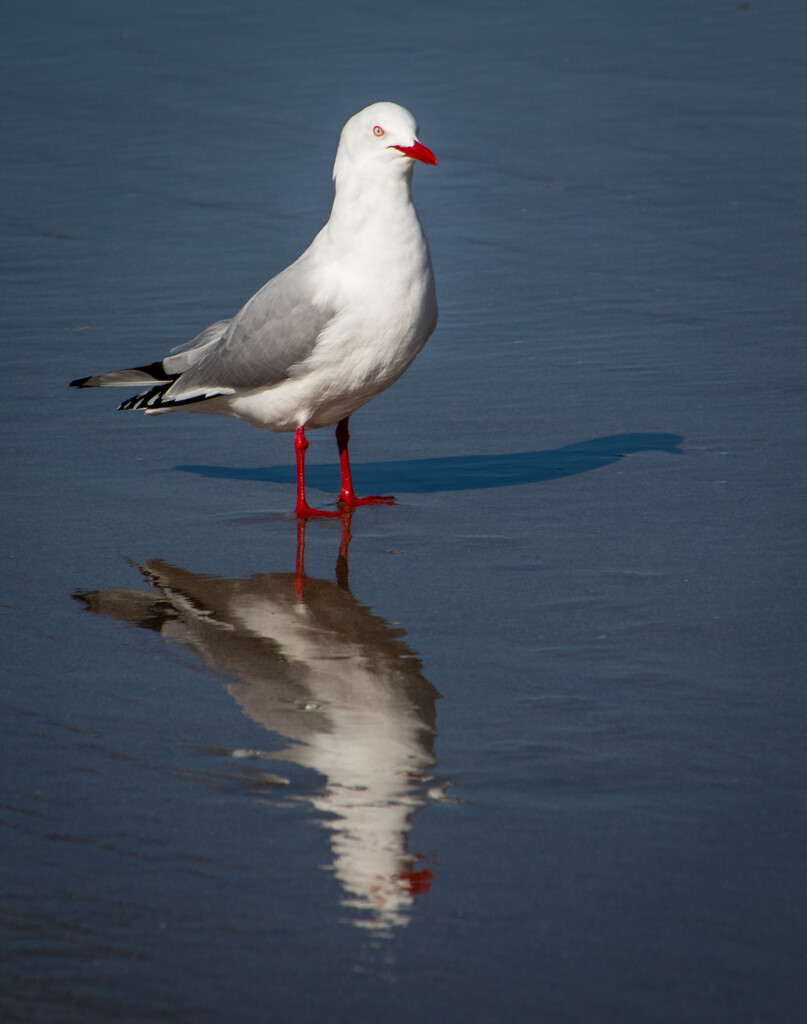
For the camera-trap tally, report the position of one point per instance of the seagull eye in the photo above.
(378, 131)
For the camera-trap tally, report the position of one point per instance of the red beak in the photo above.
(418, 152)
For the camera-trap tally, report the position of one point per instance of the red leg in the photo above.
(303, 510)
(347, 495)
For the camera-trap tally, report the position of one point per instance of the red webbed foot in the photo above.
(352, 501)
(305, 511)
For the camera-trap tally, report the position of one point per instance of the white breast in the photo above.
(383, 286)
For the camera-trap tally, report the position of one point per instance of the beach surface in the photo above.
(526, 746)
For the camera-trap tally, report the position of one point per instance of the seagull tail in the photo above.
(154, 373)
(156, 399)
(152, 399)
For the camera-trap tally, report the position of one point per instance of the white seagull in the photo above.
(331, 331)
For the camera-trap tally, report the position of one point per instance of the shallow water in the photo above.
(527, 746)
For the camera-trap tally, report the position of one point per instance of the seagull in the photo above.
(332, 330)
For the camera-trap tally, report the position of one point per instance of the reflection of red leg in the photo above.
(303, 510)
(347, 495)
(299, 567)
(344, 542)
(345, 538)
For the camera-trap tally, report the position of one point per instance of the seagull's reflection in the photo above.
(311, 663)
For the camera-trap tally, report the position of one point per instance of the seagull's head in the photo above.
(382, 136)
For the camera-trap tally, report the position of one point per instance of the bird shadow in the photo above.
(464, 472)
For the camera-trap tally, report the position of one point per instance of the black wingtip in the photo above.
(80, 383)
(145, 399)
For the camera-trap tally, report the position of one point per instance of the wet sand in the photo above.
(528, 744)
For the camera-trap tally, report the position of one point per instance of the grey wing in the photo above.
(276, 330)
(193, 351)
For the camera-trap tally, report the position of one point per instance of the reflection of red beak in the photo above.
(417, 882)
(418, 152)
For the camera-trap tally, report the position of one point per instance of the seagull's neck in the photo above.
(374, 210)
